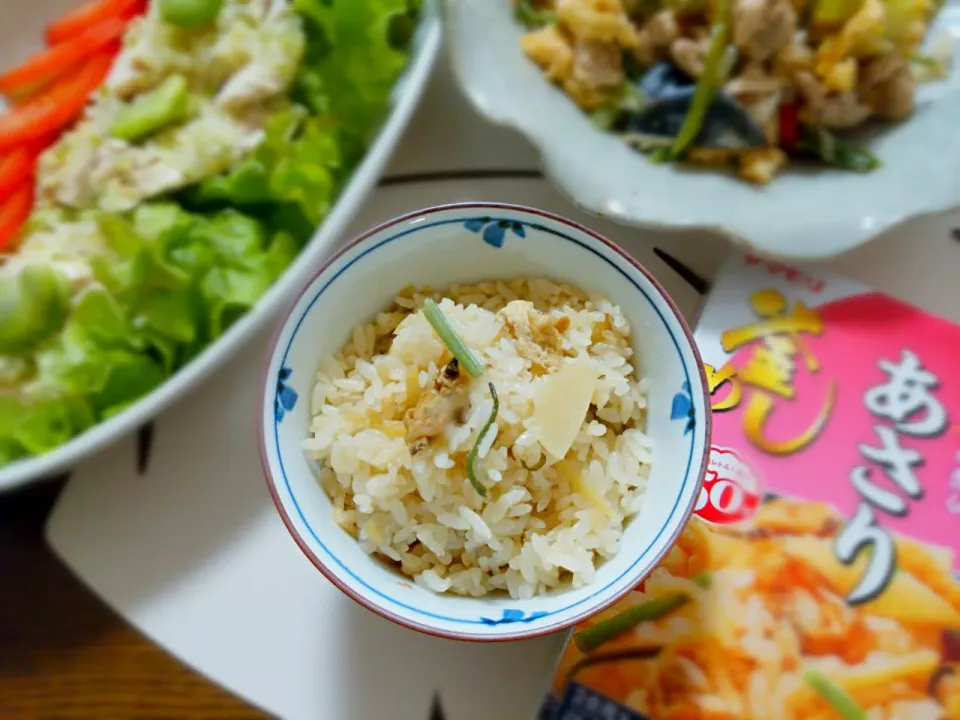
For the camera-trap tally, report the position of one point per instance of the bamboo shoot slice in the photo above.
(561, 403)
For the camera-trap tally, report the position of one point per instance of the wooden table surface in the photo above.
(64, 655)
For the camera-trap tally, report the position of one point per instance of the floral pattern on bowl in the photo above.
(286, 397)
(494, 231)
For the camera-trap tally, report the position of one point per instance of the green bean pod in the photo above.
(593, 637)
(616, 656)
(709, 82)
(846, 707)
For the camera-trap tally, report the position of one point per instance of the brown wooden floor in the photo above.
(65, 655)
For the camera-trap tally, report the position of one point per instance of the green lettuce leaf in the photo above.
(297, 165)
(355, 52)
(178, 280)
(41, 426)
(191, 275)
(245, 268)
(99, 357)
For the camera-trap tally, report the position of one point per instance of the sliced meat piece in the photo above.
(762, 27)
(656, 36)
(597, 72)
(598, 64)
(832, 110)
(689, 54)
(888, 86)
(760, 94)
(754, 80)
(794, 57)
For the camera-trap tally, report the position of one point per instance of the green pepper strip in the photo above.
(593, 637)
(836, 696)
(708, 84)
(636, 653)
(475, 450)
(836, 151)
(533, 17)
(450, 338)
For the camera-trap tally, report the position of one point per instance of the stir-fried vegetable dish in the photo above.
(750, 84)
(161, 163)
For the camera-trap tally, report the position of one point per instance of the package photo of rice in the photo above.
(832, 594)
(752, 621)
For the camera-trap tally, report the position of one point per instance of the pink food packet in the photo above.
(818, 578)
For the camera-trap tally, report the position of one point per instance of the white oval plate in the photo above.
(406, 96)
(800, 215)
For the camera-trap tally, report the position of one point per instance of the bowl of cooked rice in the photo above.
(484, 422)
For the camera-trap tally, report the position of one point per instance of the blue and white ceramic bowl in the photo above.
(458, 244)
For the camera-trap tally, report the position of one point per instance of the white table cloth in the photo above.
(174, 528)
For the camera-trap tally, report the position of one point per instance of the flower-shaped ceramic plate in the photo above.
(802, 214)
